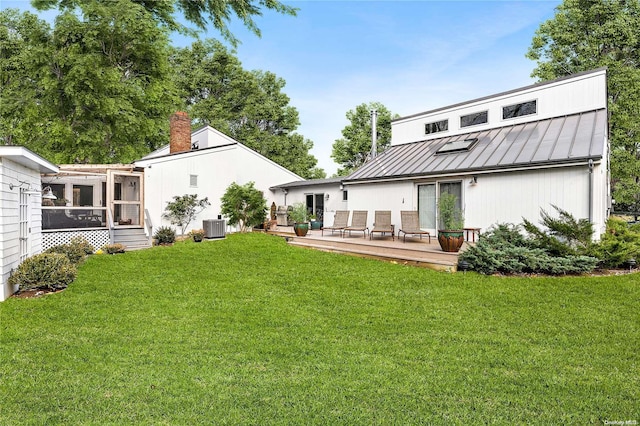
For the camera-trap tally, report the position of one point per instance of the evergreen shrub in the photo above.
(52, 271)
(165, 235)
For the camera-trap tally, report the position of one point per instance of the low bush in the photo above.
(82, 243)
(620, 243)
(113, 248)
(75, 254)
(505, 249)
(52, 271)
(165, 235)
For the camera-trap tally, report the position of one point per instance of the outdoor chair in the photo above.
(358, 223)
(383, 224)
(340, 221)
(411, 225)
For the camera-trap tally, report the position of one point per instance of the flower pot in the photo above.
(450, 240)
(301, 229)
(316, 224)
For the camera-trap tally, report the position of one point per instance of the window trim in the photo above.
(535, 101)
(446, 129)
(486, 112)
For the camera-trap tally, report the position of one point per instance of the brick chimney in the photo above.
(179, 132)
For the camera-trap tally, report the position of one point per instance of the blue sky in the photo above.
(411, 56)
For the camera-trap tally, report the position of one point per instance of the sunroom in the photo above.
(93, 201)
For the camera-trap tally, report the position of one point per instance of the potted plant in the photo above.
(197, 235)
(451, 236)
(298, 214)
(315, 223)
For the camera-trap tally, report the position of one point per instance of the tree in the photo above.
(244, 205)
(354, 148)
(97, 88)
(200, 13)
(587, 34)
(183, 209)
(246, 105)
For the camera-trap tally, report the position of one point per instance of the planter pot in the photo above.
(197, 239)
(450, 240)
(316, 224)
(301, 229)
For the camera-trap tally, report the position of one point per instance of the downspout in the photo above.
(374, 133)
(591, 190)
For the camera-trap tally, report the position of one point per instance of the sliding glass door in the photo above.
(428, 201)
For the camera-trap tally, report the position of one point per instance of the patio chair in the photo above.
(411, 225)
(383, 224)
(358, 223)
(340, 221)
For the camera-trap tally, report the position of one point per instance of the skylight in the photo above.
(457, 146)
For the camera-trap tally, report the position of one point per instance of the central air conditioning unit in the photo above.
(214, 228)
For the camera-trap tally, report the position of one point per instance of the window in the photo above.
(437, 126)
(82, 195)
(457, 146)
(518, 110)
(193, 181)
(345, 195)
(474, 119)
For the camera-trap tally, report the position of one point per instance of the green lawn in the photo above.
(249, 330)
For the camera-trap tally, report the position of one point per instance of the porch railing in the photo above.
(65, 217)
(148, 225)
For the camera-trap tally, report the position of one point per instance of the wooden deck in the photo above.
(415, 251)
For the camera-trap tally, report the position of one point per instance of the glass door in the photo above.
(124, 194)
(427, 206)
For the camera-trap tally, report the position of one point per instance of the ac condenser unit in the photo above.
(214, 228)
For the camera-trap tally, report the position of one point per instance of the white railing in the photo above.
(149, 225)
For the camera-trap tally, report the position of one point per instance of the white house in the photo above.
(505, 156)
(20, 217)
(204, 162)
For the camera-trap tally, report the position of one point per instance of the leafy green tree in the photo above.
(201, 13)
(183, 209)
(244, 205)
(354, 148)
(246, 105)
(96, 88)
(587, 34)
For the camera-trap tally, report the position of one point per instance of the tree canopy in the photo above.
(202, 12)
(249, 106)
(588, 34)
(100, 85)
(95, 88)
(354, 148)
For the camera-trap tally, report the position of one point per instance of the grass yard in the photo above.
(249, 330)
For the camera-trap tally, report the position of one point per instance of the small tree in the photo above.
(244, 205)
(182, 210)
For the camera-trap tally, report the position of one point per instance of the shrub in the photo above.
(113, 248)
(53, 271)
(82, 243)
(182, 210)
(75, 254)
(620, 243)
(244, 205)
(165, 235)
(505, 249)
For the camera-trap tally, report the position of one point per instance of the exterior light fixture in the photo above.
(47, 193)
(473, 181)
(326, 196)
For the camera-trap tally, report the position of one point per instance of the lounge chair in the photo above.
(358, 223)
(411, 225)
(340, 221)
(383, 224)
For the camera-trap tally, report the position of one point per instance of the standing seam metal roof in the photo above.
(555, 140)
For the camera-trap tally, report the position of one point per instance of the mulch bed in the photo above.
(33, 293)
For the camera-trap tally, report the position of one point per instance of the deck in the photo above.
(415, 251)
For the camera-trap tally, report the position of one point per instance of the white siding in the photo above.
(12, 173)
(568, 96)
(394, 196)
(215, 169)
(299, 194)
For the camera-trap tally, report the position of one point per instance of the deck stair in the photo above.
(415, 252)
(131, 238)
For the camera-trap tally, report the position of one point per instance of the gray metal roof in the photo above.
(299, 183)
(552, 141)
